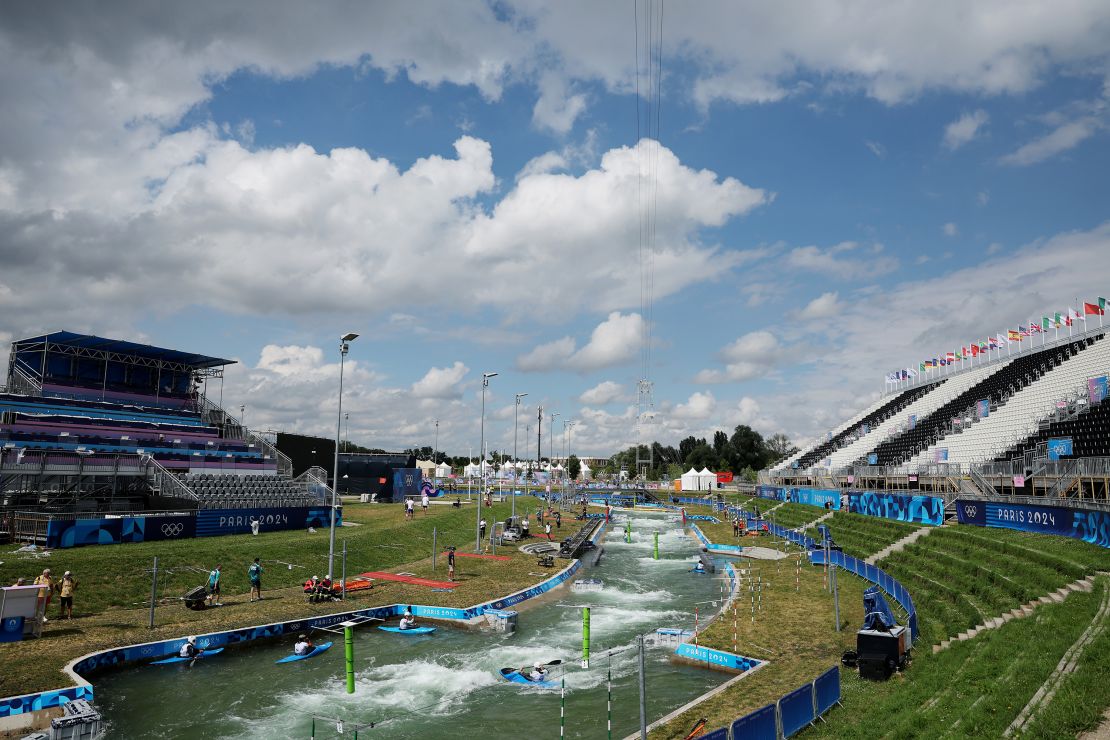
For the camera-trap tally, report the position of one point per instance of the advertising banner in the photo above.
(904, 508)
(1089, 526)
(983, 408)
(81, 532)
(872, 458)
(216, 522)
(1096, 389)
(1059, 447)
(940, 455)
(913, 421)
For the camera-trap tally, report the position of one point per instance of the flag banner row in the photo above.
(994, 343)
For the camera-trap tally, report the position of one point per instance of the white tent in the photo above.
(443, 470)
(690, 480)
(487, 467)
(427, 468)
(471, 470)
(584, 472)
(707, 479)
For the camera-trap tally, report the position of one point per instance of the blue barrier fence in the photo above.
(918, 509)
(790, 714)
(875, 575)
(798, 539)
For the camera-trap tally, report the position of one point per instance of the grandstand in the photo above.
(89, 425)
(1030, 423)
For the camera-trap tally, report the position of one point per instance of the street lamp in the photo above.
(481, 461)
(344, 346)
(551, 440)
(516, 413)
(242, 416)
(566, 476)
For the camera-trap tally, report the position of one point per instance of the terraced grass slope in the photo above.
(861, 536)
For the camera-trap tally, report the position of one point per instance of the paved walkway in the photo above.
(894, 547)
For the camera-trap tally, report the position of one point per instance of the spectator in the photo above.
(65, 594)
(254, 575)
(547, 530)
(424, 502)
(524, 528)
(558, 520)
(408, 508)
(51, 587)
(451, 563)
(482, 529)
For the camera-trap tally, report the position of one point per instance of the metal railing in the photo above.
(1067, 503)
(15, 461)
(213, 413)
(314, 482)
(165, 483)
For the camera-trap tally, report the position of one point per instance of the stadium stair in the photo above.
(894, 547)
(1019, 416)
(1025, 610)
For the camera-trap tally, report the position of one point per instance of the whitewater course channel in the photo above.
(447, 684)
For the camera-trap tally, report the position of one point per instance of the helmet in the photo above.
(300, 637)
(192, 639)
(537, 664)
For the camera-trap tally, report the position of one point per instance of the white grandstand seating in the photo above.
(783, 465)
(922, 407)
(1019, 417)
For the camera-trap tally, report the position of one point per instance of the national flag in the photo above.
(974, 349)
(1062, 320)
(1014, 335)
(923, 366)
(1035, 328)
(951, 357)
(912, 372)
(1074, 315)
(992, 343)
(1025, 330)
(1094, 309)
(982, 347)
(1046, 324)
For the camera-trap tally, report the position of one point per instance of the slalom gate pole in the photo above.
(585, 637)
(609, 699)
(562, 707)
(836, 598)
(734, 629)
(434, 533)
(349, 655)
(656, 545)
(695, 625)
(153, 590)
(798, 573)
(643, 690)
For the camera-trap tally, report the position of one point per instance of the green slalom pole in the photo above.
(349, 651)
(585, 637)
(656, 545)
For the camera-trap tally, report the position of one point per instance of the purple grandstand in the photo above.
(89, 424)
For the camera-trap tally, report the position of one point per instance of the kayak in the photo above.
(179, 659)
(698, 572)
(515, 676)
(315, 651)
(409, 631)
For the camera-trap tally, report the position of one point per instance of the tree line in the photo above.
(743, 453)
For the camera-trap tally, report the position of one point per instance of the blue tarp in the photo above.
(876, 612)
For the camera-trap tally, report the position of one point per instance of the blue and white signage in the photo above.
(715, 657)
(1059, 447)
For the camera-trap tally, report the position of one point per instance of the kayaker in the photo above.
(190, 649)
(699, 567)
(538, 673)
(304, 645)
(407, 621)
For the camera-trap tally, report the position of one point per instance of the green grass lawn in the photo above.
(861, 536)
(118, 577)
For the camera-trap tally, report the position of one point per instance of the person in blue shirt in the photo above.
(214, 586)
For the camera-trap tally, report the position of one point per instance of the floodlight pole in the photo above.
(516, 425)
(344, 346)
(481, 461)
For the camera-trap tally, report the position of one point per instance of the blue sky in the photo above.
(842, 192)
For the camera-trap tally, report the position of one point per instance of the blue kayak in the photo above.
(315, 651)
(409, 631)
(179, 659)
(515, 676)
(698, 572)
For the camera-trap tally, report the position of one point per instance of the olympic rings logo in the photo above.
(172, 529)
(970, 511)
